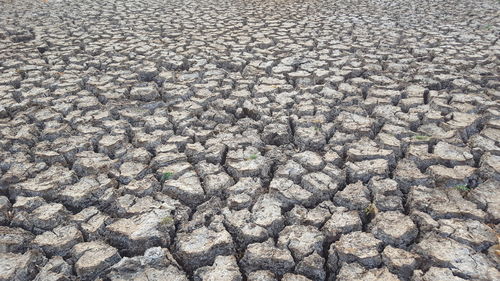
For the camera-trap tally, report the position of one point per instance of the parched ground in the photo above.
(249, 140)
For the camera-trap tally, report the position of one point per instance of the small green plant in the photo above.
(166, 176)
(252, 156)
(462, 187)
(167, 220)
(371, 209)
(421, 137)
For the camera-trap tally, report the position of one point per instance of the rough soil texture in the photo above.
(249, 140)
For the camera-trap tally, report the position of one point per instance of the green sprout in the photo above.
(166, 176)
(371, 209)
(421, 137)
(253, 156)
(167, 220)
(462, 187)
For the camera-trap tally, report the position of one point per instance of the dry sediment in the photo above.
(249, 140)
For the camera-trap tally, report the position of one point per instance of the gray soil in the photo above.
(249, 140)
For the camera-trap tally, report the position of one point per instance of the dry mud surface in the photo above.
(249, 140)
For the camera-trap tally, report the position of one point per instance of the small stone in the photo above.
(28, 203)
(384, 187)
(389, 142)
(50, 157)
(386, 193)
(175, 171)
(195, 152)
(19, 172)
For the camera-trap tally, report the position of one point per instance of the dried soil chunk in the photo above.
(266, 256)
(134, 235)
(22, 267)
(59, 241)
(442, 204)
(92, 258)
(393, 228)
(354, 271)
(358, 247)
(202, 246)
(224, 268)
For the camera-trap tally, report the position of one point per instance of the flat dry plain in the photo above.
(249, 140)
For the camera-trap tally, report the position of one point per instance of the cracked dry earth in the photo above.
(249, 140)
